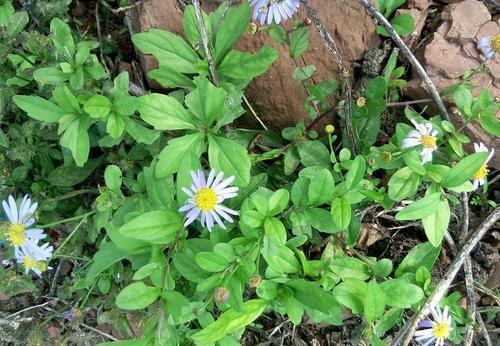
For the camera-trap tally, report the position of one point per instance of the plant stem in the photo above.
(74, 218)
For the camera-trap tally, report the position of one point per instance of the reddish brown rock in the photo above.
(419, 4)
(452, 52)
(278, 97)
(466, 19)
(419, 16)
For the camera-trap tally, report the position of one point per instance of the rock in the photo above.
(466, 19)
(452, 52)
(420, 16)
(279, 98)
(419, 4)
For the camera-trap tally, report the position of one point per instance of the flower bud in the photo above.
(255, 281)
(361, 102)
(329, 128)
(252, 28)
(221, 295)
(386, 157)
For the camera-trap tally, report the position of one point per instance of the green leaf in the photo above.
(313, 153)
(49, 75)
(211, 262)
(39, 108)
(421, 208)
(231, 321)
(414, 162)
(115, 125)
(169, 78)
(155, 227)
(229, 157)
(17, 23)
(303, 73)
(374, 302)
(6, 12)
(104, 258)
(206, 101)
(140, 133)
(401, 294)
(403, 184)
(98, 106)
(463, 98)
(422, 255)
(403, 24)
(341, 212)
(350, 268)
(351, 293)
(70, 175)
(170, 49)
(113, 177)
(436, 224)
(137, 296)
(61, 36)
(490, 124)
(465, 169)
(234, 25)
(190, 25)
(312, 295)
(356, 172)
(76, 139)
(246, 66)
(299, 41)
(275, 231)
(278, 201)
(280, 258)
(322, 220)
(164, 112)
(170, 157)
(321, 188)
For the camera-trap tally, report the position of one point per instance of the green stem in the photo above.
(78, 217)
(67, 239)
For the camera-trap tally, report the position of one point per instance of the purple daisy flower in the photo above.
(274, 10)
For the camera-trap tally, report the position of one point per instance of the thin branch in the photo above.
(204, 40)
(344, 72)
(100, 332)
(99, 37)
(27, 309)
(469, 278)
(254, 113)
(375, 13)
(124, 8)
(406, 333)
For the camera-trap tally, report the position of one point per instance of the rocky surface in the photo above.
(452, 51)
(279, 98)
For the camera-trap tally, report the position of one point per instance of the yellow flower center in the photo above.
(29, 263)
(481, 173)
(17, 234)
(205, 199)
(441, 330)
(495, 43)
(428, 141)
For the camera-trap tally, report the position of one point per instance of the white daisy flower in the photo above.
(479, 178)
(437, 330)
(277, 10)
(19, 231)
(34, 257)
(205, 198)
(423, 135)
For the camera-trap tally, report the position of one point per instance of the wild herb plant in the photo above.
(202, 227)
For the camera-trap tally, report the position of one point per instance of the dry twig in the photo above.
(406, 333)
(344, 71)
(204, 40)
(375, 13)
(122, 9)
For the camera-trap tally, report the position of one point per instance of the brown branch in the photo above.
(375, 13)
(406, 333)
(344, 72)
(204, 40)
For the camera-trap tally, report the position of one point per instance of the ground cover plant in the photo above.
(156, 217)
